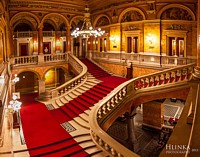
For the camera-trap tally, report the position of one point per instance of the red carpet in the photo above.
(43, 135)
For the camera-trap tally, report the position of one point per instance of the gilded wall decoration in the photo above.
(132, 16)
(176, 14)
(103, 21)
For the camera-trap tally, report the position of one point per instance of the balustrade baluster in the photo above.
(170, 77)
(164, 78)
(108, 106)
(113, 152)
(116, 99)
(100, 142)
(107, 147)
(176, 78)
(154, 80)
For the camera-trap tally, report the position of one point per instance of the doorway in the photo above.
(23, 49)
(47, 47)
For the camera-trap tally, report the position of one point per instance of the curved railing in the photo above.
(102, 115)
(80, 69)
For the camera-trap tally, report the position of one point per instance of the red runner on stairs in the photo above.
(41, 131)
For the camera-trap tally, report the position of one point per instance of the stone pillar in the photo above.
(90, 47)
(41, 86)
(103, 45)
(11, 42)
(153, 115)
(132, 44)
(129, 73)
(40, 40)
(132, 140)
(68, 40)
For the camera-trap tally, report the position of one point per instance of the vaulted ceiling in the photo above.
(75, 4)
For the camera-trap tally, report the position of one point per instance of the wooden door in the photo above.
(23, 49)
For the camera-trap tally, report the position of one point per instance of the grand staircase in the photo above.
(72, 110)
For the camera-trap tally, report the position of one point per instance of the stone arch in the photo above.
(101, 22)
(46, 70)
(131, 9)
(25, 16)
(29, 70)
(56, 18)
(74, 22)
(160, 13)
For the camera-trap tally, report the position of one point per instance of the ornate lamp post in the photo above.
(13, 110)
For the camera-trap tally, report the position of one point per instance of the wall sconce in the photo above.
(114, 40)
(34, 43)
(57, 43)
(150, 40)
(16, 79)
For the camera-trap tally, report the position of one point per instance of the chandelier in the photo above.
(87, 30)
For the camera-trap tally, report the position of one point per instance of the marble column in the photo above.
(40, 40)
(68, 40)
(132, 140)
(41, 86)
(11, 42)
(90, 47)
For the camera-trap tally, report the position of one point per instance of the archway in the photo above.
(28, 82)
(55, 77)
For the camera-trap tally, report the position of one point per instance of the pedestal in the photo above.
(129, 73)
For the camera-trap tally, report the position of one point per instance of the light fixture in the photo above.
(87, 30)
(150, 40)
(16, 79)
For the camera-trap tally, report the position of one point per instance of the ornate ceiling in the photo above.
(76, 5)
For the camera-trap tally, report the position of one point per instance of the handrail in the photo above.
(144, 58)
(38, 59)
(80, 68)
(110, 105)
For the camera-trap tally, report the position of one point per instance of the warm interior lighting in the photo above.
(14, 104)
(16, 79)
(87, 30)
(150, 40)
(2, 79)
(114, 39)
(57, 43)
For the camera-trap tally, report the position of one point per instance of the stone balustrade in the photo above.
(143, 58)
(38, 59)
(106, 109)
(80, 68)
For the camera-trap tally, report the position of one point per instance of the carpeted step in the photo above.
(60, 116)
(91, 101)
(93, 92)
(83, 102)
(40, 151)
(103, 88)
(78, 105)
(74, 108)
(69, 112)
(99, 91)
(67, 152)
(91, 96)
